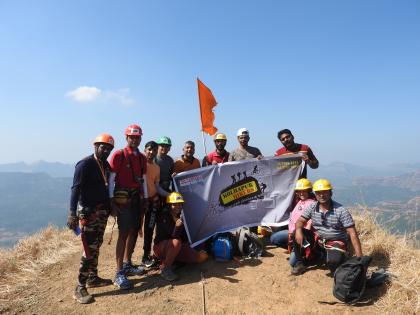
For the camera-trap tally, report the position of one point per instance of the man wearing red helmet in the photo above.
(128, 178)
(90, 203)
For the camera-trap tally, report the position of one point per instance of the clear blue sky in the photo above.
(343, 75)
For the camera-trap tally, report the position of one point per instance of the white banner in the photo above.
(223, 197)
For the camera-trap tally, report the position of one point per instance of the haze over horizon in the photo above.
(343, 76)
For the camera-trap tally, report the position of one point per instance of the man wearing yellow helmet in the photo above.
(333, 226)
(283, 238)
(171, 241)
(220, 155)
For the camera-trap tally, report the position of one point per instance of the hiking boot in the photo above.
(168, 274)
(131, 270)
(82, 296)
(96, 282)
(121, 281)
(147, 261)
(298, 269)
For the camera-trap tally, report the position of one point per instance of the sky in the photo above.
(344, 76)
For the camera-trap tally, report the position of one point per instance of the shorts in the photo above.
(130, 216)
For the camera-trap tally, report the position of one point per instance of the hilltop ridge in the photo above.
(38, 277)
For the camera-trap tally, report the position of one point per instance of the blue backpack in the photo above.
(222, 247)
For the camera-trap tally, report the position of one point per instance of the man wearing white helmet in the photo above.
(244, 152)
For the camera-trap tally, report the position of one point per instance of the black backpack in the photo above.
(248, 243)
(350, 279)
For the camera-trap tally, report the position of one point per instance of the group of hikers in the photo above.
(137, 188)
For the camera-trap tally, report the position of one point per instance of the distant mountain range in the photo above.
(30, 202)
(339, 173)
(54, 169)
(35, 195)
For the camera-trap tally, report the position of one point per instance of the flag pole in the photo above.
(201, 120)
(204, 142)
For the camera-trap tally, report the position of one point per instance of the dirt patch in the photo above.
(259, 286)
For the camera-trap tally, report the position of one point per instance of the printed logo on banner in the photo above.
(242, 190)
(285, 165)
(191, 180)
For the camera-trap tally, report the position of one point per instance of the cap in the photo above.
(242, 132)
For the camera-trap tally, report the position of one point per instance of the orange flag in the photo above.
(207, 102)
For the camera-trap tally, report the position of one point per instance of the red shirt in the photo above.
(300, 148)
(126, 164)
(214, 156)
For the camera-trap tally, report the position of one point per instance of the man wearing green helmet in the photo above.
(165, 162)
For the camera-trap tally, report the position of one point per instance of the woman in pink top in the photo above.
(303, 192)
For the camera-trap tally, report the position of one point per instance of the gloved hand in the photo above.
(72, 222)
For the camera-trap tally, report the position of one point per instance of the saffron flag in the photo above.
(207, 102)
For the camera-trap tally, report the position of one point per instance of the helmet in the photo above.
(263, 231)
(104, 138)
(133, 130)
(164, 140)
(322, 184)
(303, 184)
(220, 136)
(242, 132)
(174, 197)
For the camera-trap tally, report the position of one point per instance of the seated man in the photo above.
(332, 223)
(171, 242)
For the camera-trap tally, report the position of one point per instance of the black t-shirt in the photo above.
(166, 229)
(89, 187)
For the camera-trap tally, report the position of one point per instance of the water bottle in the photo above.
(77, 230)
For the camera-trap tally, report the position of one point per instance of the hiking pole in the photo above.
(203, 294)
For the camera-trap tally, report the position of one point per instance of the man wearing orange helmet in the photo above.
(128, 178)
(220, 155)
(90, 203)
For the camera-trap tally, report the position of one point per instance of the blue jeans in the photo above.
(280, 238)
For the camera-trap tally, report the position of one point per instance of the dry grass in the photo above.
(397, 257)
(21, 265)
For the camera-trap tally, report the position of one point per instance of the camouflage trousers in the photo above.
(94, 235)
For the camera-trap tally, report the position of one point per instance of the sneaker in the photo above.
(298, 269)
(121, 281)
(168, 274)
(131, 270)
(147, 261)
(82, 296)
(96, 282)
